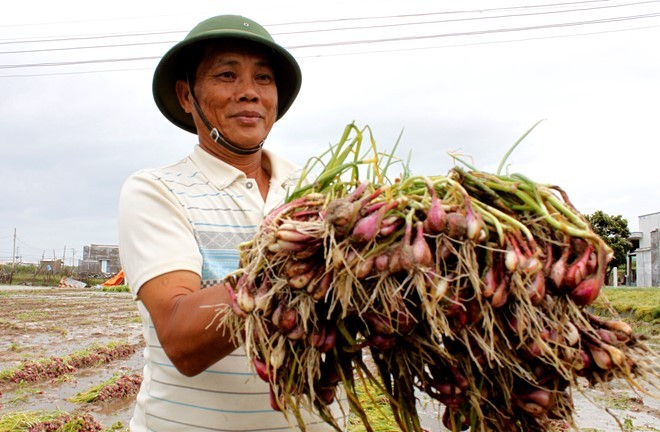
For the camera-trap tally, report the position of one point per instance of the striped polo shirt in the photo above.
(191, 216)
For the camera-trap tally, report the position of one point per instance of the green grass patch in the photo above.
(377, 410)
(60, 330)
(617, 401)
(116, 427)
(117, 386)
(92, 394)
(61, 421)
(33, 315)
(118, 288)
(645, 329)
(23, 278)
(641, 304)
(29, 277)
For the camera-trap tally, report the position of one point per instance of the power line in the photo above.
(365, 41)
(471, 43)
(77, 62)
(364, 52)
(28, 252)
(481, 10)
(453, 12)
(86, 21)
(453, 20)
(477, 32)
(88, 47)
(77, 72)
(416, 15)
(345, 43)
(87, 37)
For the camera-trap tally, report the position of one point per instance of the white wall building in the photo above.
(643, 266)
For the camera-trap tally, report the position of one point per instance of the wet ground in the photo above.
(36, 324)
(40, 323)
(615, 410)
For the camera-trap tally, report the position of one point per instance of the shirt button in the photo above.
(249, 185)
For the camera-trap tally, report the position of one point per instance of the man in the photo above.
(179, 226)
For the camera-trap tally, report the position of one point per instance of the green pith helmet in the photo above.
(288, 77)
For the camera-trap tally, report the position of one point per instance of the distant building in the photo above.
(643, 264)
(99, 260)
(50, 266)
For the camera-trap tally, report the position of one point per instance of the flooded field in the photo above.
(39, 324)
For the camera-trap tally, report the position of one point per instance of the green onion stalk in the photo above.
(472, 288)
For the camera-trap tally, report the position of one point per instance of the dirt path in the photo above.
(40, 323)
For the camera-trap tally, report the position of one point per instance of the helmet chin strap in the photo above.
(217, 136)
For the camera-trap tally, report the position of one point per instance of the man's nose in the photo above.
(247, 90)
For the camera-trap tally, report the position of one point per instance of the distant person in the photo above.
(179, 226)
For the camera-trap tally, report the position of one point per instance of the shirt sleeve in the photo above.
(155, 235)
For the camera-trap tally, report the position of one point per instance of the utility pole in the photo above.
(13, 255)
(62, 270)
(13, 260)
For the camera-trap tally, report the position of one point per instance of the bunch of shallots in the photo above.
(471, 287)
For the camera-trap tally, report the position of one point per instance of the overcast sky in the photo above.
(77, 115)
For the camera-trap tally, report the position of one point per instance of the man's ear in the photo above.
(184, 95)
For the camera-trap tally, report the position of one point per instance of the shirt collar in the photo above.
(283, 172)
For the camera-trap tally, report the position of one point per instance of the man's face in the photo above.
(235, 87)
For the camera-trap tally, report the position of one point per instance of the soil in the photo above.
(38, 323)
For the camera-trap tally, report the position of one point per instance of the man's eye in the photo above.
(265, 78)
(226, 75)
